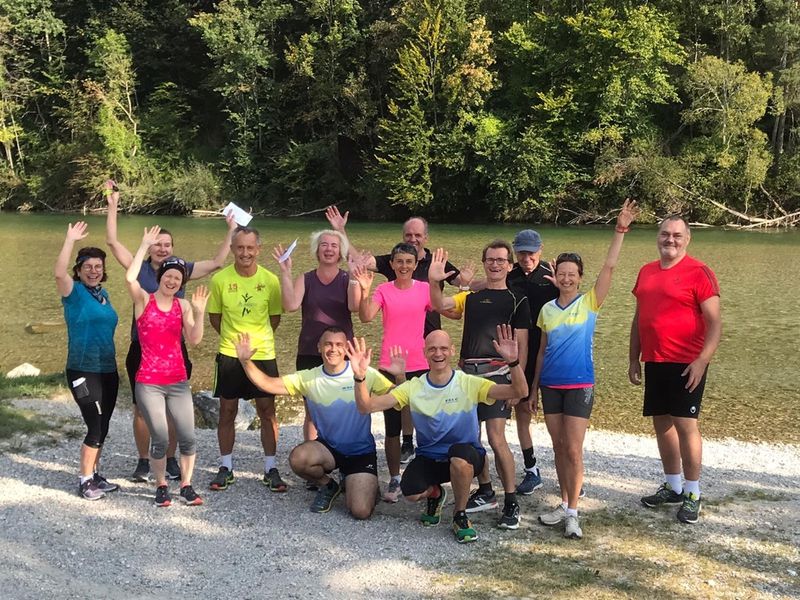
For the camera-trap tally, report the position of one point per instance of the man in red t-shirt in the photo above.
(676, 330)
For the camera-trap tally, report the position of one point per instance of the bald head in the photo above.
(438, 337)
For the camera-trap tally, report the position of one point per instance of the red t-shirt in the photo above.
(671, 325)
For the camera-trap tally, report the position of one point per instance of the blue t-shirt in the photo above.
(90, 331)
(332, 404)
(148, 279)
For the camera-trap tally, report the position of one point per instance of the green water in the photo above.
(752, 391)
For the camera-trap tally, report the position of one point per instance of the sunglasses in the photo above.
(569, 257)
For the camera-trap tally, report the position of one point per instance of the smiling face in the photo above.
(496, 264)
(161, 250)
(439, 350)
(245, 248)
(403, 265)
(90, 272)
(415, 233)
(329, 251)
(171, 282)
(331, 347)
(568, 278)
(528, 261)
(673, 238)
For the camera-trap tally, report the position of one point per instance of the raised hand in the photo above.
(364, 277)
(628, 213)
(358, 259)
(335, 218)
(436, 272)
(200, 298)
(359, 356)
(150, 236)
(113, 197)
(243, 349)
(231, 222)
(505, 344)
(78, 231)
(468, 272)
(398, 357)
(550, 266)
(286, 265)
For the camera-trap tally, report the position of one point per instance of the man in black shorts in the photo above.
(344, 439)
(245, 298)
(676, 330)
(443, 406)
(483, 311)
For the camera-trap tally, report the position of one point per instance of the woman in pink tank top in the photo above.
(161, 382)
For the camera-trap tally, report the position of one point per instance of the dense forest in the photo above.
(459, 109)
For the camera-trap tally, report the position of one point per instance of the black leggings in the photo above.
(98, 407)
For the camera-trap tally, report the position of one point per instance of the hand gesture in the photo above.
(436, 273)
(113, 197)
(243, 349)
(77, 232)
(199, 299)
(150, 236)
(533, 400)
(550, 266)
(335, 218)
(627, 213)
(694, 373)
(468, 272)
(231, 222)
(359, 356)
(398, 356)
(364, 277)
(286, 265)
(505, 344)
(358, 259)
(635, 372)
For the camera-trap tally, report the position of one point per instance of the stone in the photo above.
(23, 370)
(206, 411)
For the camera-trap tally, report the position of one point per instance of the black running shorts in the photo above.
(423, 472)
(665, 391)
(231, 382)
(350, 464)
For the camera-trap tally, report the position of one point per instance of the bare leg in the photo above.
(691, 446)
(89, 458)
(141, 434)
(360, 494)
(309, 430)
(523, 414)
(187, 468)
(226, 432)
(461, 475)
(312, 461)
(504, 459)
(555, 427)
(668, 443)
(573, 432)
(269, 425)
(393, 455)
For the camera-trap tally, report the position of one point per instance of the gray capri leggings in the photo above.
(154, 401)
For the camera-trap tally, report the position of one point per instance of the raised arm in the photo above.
(292, 292)
(338, 222)
(367, 308)
(437, 274)
(271, 385)
(138, 295)
(206, 267)
(626, 216)
(360, 356)
(64, 281)
(635, 351)
(506, 346)
(120, 252)
(712, 315)
(193, 315)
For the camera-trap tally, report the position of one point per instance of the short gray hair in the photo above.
(344, 246)
(244, 229)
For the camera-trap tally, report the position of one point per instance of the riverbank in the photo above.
(250, 543)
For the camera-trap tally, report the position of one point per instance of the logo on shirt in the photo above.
(233, 288)
(486, 301)
(260, 287)
(246, 301)
(692, 409)
(451, 400)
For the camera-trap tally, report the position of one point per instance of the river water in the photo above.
(752, 391)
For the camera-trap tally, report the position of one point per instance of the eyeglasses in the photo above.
(569, 257)
(495, 261)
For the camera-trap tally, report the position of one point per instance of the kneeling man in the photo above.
(344, 439)
(443, 406)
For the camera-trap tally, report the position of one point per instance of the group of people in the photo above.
(527, 338)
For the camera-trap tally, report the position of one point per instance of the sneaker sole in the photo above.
(573, 536)
(507, 526)
(481, 507)
(173, 477)
(467, 539)
(277, 489)
(163, 504)
(688, 521)
(546, 524)
(218, 488)
(92, 499)
(195, 502)
(528, 493)
(657, 504)
(140, 478)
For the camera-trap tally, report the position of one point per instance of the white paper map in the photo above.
(241, 216)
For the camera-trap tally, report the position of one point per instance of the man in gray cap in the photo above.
(533, 278)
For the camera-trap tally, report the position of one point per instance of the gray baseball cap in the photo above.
(527, 240)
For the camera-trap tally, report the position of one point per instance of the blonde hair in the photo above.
(344, 246)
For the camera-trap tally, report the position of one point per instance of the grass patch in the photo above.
(41, 386)
(14, 420)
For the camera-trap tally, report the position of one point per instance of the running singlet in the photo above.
(323, 306)
(246, 304)
(483, 311)
(90, 331)
(404, 322)
(671, 324)
(160, 337)
(444, 415)
(148, 279)
(568, 357)
(332, 405)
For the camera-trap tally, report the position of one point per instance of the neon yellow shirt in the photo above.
(246, 304)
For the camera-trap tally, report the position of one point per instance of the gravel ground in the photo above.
(247, 542)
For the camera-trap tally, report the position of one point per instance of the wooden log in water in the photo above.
(44, 326)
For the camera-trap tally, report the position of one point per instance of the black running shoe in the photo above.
(163, 498)
(479, 501)
(689, 512)
(406, 453)
(663, 495)
(190, 497)
(274, 481)
(104, 484)
(222, 479)
(325, 497)
(433, 513)
(89, 490)
(510, 518)
(173, 469)
(142, 471)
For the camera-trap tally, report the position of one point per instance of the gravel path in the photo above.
(250, 543)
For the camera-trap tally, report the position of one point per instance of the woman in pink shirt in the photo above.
(162, 384)
(404, 303)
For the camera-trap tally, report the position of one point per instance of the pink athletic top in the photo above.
(404, 321)
(160, 337)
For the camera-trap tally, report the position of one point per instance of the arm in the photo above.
(206, 267)
(138, 295)
(338, 222)
(354, 295)
(120, 252)
(436, 274)
(634, 352)
(506, 346)
(712, 315)
(215, 319)
(64, 281)
(274, 321)
(533, 398)
(626, 216)
(271, 385)
(522, 345)
(367, 308)
(193, 315)
(292, 292)
(360, 356)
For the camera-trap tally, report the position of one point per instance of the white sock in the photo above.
(269, 463)
(692, 487)
(674, 482)
(533, 469)
(226, 460)
(572, 512)
(85, 479)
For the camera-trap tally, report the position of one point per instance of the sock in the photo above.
(564, 505)
(408, 440)
(437, 491)
(85, 479)
(485, 488)
(459, 513)
(529, 458)
(269, 463)
(511, 498)
(692, 487)
(226, 461)
(396, 478)
(572, 512)
(674, 481)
